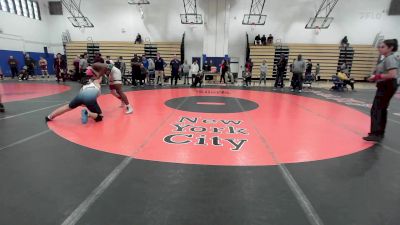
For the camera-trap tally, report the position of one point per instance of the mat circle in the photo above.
(280, 128)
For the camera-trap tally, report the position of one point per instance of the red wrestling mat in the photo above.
(220, 127)
(19, 91)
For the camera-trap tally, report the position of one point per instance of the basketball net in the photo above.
(253, 27)
(317, 30)
(82, 29)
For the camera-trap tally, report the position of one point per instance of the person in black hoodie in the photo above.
(264, 40)
(257, 40)
(136, 61)
(30, 64)
(281, 67)
(224, 69)
(60, 68)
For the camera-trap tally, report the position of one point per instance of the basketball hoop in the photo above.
(317, 30)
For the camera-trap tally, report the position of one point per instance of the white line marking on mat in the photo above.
(390, 148)
(77, 214)
(25, 139)
(394, 121)
(302, 199)
(36, 110)
(81, 210)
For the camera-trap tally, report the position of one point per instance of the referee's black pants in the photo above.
(379, 113)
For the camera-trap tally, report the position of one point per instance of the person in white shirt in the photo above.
(263, 72)
(196, 75)
(108, 59)
(115, 79)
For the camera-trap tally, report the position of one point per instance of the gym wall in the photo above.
(360, 20)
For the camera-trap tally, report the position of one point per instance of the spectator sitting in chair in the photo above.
(138, 39)
(345, 78)
(345, 42)
(30, 64)
(248, 72)
(43, 67)
(98, 58)
(264, 40)
(206, 66)
(197, 76)
(270, 39)
(108, 58)
(13, 64)
(23, 74)
(257, 40)
(247, 77)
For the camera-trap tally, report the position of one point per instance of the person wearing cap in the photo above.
(115, 78)
(87, 96)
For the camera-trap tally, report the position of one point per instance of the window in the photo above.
(18, 7)
(24, 8)
(3, 5)
(11, 6)
(36, 10)
(30, 8)
(27, 8)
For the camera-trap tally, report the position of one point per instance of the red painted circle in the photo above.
(22, 91)
(295, 129)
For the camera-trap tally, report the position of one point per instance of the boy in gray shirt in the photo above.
(263, 72)
(185, 69)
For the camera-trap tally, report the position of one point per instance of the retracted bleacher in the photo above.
(327, 55)
(114, 49)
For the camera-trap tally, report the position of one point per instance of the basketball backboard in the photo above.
(319, 23)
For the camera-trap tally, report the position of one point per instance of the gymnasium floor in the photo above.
(209, 156)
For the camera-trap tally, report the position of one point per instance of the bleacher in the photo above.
(114, 49)
(73, 49)
(327, 55)
(124, 49)
(365, 59)
(167, 51)
(260, 53)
